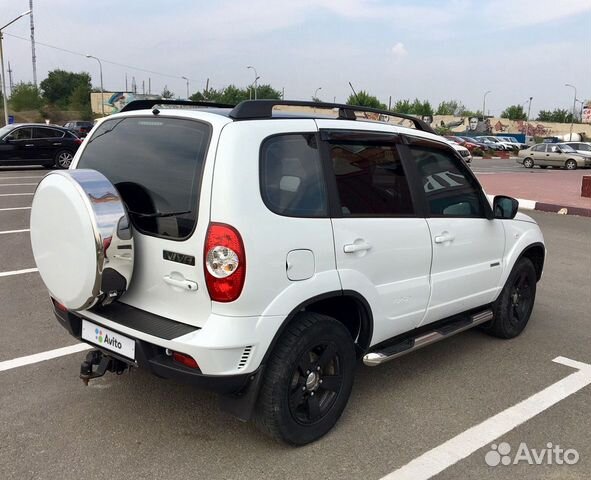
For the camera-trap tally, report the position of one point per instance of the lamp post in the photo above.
(484, 104)
(256, 77)
(28, 12)
(102, 90)
(572, 120)
(528, 112)
(316, 93)
(187, 80)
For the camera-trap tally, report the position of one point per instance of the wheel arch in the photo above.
(536, 252)
(346, 306)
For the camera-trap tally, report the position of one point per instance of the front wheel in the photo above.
(63, 159)
(515, 303)
(308, 380)
(571, 164)
(528, 163)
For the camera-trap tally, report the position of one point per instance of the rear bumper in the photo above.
(153, 357)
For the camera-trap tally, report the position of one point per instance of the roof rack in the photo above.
(253, 109)
(147, 104)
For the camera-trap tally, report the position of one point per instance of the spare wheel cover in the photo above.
(81, 238)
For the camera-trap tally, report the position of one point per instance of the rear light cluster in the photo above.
(224, 262)
(186, 360)
(59, 306)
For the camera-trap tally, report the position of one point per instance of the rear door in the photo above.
(468, 246)
(157, 164)
(382, 243)
(47, 141)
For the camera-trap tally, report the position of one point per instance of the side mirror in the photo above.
(505, 207)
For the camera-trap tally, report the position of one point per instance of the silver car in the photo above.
(553, 155)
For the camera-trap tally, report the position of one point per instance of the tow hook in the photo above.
(103, 364)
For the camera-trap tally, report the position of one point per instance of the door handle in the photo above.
(184, 284)
(356, 247)
(444, 237)
(29, 145)
(56, 144)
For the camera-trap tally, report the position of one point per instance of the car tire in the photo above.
(63, 159)
(570, 164)
(294, 404)
(528, 163)
(513, 307)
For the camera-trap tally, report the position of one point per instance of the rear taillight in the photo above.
(186, 360)
(224, 262)
(78, 141)
(59, 306)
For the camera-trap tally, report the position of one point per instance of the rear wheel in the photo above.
(308, 380)
(528, 163)
(515, 303)
(571, 164)
(63, 159)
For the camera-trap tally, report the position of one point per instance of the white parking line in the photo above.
(18, 272)
(18, 178)
(461, 446)
(15, 231)
(14, 194)
(43, 356)
(14, 208)
(15, 184)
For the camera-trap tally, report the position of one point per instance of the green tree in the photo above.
(59, 85)
(268, 92)
(558, 115)
(514, 112)
(450, 107)
(25, 96)
(364, 99)
(420, 108)
(166, 93)
(80, 101)
(403, 106)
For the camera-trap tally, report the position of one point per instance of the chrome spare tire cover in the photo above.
(81, 237)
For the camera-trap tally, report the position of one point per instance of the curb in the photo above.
(549, 207)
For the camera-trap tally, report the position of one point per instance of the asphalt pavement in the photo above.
(136, 426)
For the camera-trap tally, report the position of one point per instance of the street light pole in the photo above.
(102, 89)
(484, 104)
(2, 65)
(185, 78)
(528, 112)
(256, 77)
(572, 120)
(316, 93)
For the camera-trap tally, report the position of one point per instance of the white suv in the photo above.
(259, 252)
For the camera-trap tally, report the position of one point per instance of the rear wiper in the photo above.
(158, 214)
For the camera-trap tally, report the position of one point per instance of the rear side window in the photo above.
(156, 163)
(47, 133)
(370, 180)
(292, 181)
(449, 190)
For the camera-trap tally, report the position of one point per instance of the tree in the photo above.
(59, 85)
(233, 95)
(450, 107)
(166, 93)
(80, 101)
(364, 99)
(421, 108)
(403, 106)
(268, 92)
(25, 96)
(558, 115)
(514, 112)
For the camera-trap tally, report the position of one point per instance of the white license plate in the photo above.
(108, 339)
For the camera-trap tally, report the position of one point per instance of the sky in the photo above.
(427, 49)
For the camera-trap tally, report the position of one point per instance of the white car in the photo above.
(259, 254)
(463, 151)
(508, 146)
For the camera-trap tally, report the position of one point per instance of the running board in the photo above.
(411, 344)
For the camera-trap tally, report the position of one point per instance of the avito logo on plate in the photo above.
(551, 455)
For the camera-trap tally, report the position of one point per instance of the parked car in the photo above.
(584, 148)
(514, 141)
(507, 146)
(264, 254)
(495, 146)
(80, 127)
(463, 151)
(37, 144)
(464, 143)
(553, 155)
(485, 147)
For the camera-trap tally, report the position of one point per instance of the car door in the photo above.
(382, 243)
(20, 145)
(554, 156)
(468, 245)
(47, 142)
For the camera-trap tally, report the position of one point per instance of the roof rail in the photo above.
(253, 109)
(147, 104)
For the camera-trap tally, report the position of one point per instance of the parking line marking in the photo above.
(18, 272)
(14, 194)
(14, 208)
(43, 356)
(18, 178)
(15, 184)
(15, 231)
(466, 443)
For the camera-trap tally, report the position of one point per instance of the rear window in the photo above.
(156, 164)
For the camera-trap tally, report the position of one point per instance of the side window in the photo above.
(21, 134)
(47, 133)
(539, 148)
(448, 188)
(584, 147)
(370, 179)
(292, 181)
(552, 148)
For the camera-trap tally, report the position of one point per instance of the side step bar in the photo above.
(408, 345)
